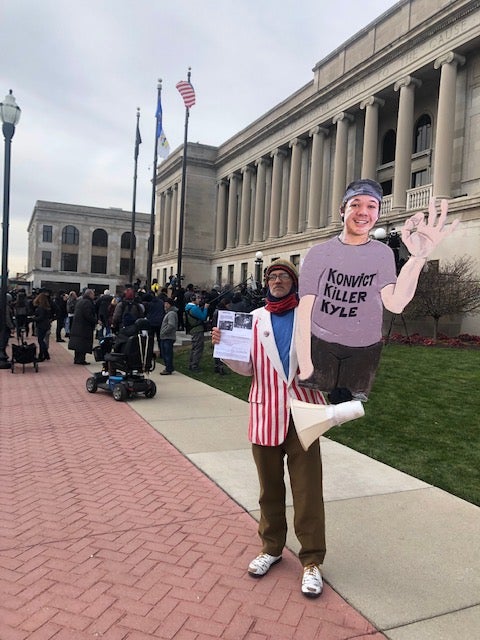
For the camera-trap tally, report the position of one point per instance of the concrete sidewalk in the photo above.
(107, 530)
(403, 553)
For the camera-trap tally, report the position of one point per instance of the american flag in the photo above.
(187, 92)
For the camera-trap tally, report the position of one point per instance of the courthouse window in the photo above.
(125, 240)
(99, 264)
(230, 272)
(243, 271)
(387, 186)
(70, 236)
(47, 233)
(125, 266)
(388, 146)
(423, 134)
(295, 260)
(46, 259)
(69, 262)
(99, 238)
(421, 178)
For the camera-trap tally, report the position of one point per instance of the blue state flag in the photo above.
(163, 148)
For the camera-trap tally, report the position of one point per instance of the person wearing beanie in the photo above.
(127, 310)
(344, 284)
(273, 366)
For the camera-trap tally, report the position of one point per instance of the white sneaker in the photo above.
(312, 583)
(260, 565)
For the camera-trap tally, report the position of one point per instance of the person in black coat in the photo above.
(154, 312)
(59, 304)
(43, 315)
(82, 328)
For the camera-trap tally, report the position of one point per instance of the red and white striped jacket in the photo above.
(271, 388)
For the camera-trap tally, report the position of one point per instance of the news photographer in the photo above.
(196, 313)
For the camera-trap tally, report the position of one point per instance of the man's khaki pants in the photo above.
(305, 469)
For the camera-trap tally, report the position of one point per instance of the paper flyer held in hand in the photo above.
(236, 338)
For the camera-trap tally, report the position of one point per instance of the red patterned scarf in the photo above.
(281, 305)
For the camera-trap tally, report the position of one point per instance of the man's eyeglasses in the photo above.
(283, 277)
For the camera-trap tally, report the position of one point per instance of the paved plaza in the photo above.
(128, 521)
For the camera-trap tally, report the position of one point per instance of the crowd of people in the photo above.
(32, 314)
(83, 317)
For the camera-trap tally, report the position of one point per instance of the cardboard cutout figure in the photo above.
(344, 285)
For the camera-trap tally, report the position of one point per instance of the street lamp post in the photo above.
(258, 267)
(9, 115)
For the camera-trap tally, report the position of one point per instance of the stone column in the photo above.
(232, 211)
(442, 168)
(342, 120)
(246, 206)
(403, 150)
(221, 214)
(268, 198)
(166, 227)
(174, 219)
(259, 219)
(297, 145)
(318, 135)
(277, 178)
(370, 136)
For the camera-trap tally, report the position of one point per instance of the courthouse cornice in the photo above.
(60, 211)
(309, 100)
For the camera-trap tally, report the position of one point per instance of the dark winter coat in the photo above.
(155, 312)
(59, 308)
(21, 308)
(130, 308)
(103, 303)
(83, 326)
(42, 318)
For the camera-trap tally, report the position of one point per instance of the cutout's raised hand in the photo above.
(421, 237)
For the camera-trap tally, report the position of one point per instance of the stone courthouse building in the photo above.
(398, 102)
(72, 246)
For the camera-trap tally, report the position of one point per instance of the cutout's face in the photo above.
(279, 283)
(360, 216)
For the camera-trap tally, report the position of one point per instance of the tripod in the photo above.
(392, 320)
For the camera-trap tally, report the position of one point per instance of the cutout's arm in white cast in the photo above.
(303, 335)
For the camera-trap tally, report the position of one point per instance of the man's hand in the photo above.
(215, 335)
(421, 237)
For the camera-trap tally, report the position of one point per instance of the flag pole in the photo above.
(151, 238)
(182, 196)
(138, 140)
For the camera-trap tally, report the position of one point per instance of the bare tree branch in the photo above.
(454, 288)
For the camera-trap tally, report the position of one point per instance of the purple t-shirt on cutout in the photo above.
(347, 280)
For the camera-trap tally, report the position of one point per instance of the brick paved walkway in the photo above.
(107, 531)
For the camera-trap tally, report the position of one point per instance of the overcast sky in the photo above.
(79, 70)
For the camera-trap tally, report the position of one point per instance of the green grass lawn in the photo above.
(423, 415)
